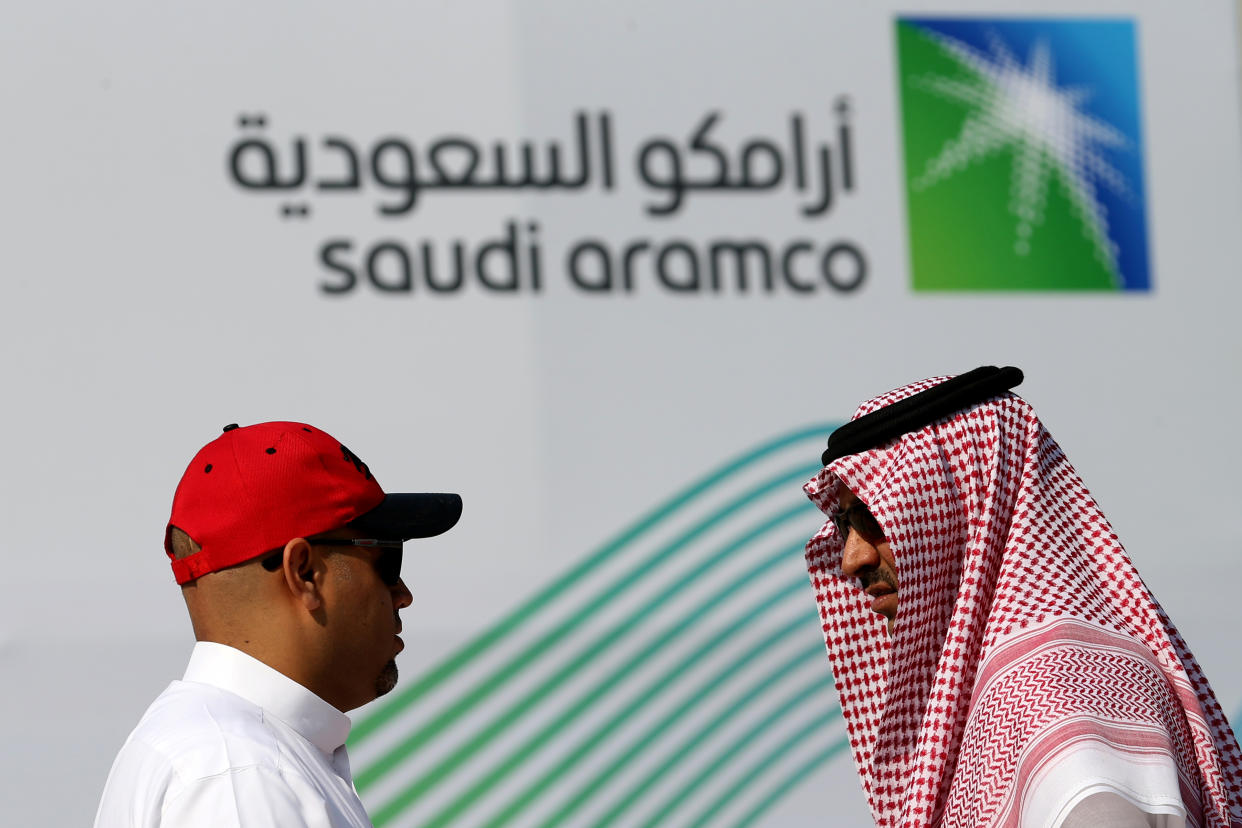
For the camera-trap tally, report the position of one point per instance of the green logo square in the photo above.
(1023, 155)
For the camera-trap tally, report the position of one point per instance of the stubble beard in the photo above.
(387, 679)
(877, 575)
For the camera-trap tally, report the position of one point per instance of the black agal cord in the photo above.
(923, 408)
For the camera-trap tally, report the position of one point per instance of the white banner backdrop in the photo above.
(611, 272)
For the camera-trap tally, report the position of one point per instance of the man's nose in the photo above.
(858, 555)
(401, 596)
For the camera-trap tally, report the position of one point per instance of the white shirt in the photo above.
(1094, 784)
(234, 743)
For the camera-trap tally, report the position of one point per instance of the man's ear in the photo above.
(304, 573)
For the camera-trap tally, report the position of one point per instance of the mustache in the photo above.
(877, 575)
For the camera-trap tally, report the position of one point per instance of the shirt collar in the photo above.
(230, 669)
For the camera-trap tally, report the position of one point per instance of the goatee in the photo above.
(387, 678)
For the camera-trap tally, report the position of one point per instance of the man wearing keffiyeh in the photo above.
(998, 658)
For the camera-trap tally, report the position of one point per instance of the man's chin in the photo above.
(387, 678)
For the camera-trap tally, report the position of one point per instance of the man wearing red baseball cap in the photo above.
(288, 554)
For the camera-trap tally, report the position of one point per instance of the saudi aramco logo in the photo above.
(1023, 154)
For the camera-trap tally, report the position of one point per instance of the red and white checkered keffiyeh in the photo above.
(1024, 638)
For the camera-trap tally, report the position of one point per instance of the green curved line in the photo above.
(589, 608)
(510, 623)
(631, 797)
(761, 767)
(777, 792)
(597, 737)
(498, 725)
(472, 795)
(636, 703)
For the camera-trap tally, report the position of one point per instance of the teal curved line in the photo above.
(468, 798)
(587, 609)
(750, 776)
(412, 792)
(788, 784)
(510, 623)
(632, 796)
(652, 690)
(697, 697)
(592, 741)
(602, 688)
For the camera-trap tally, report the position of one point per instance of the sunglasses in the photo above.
(857, 517)
(387, 564)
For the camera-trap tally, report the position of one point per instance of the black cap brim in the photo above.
(407, 516)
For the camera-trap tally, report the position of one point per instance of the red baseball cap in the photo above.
(253, 489)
